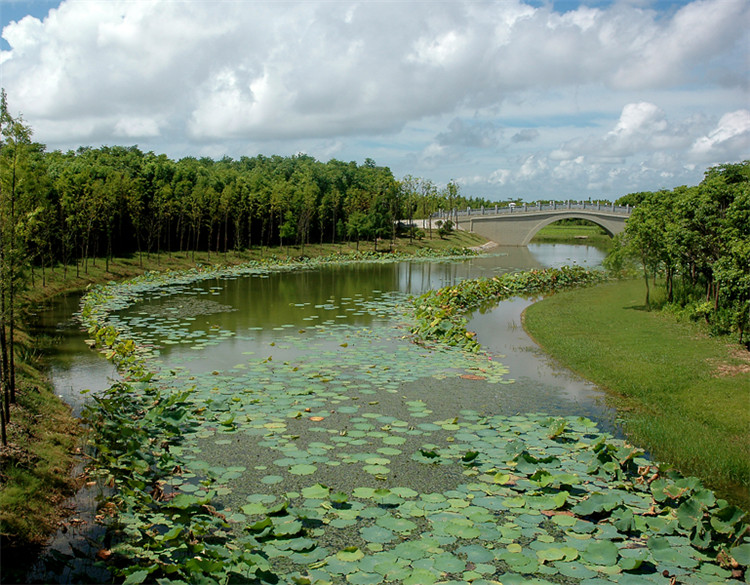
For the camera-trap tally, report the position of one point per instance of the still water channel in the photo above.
(343, 326)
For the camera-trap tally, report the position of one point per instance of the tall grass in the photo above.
(682, 395)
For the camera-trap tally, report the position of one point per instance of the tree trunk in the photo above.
(3, 421)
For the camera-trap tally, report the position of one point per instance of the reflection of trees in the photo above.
(269, 300)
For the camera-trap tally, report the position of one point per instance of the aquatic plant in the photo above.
(240, 476)
(440, 313)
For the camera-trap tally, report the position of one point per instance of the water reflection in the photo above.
(73, 367)
(254, 312)
(539, 383)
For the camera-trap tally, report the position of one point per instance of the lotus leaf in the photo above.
(602, 552)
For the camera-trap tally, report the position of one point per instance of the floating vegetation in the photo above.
(440, 313)
(347, 465)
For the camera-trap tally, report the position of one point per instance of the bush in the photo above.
(445, 228)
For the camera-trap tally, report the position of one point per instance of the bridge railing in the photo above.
(532, 207)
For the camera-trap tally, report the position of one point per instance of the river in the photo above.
(277, 332)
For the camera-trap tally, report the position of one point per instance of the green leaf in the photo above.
(260, 526)
(603, 552)
(377, 534)
(137, 577)
(597, 503)
(184, 501)
(556, 427)
(469, 456)
(631, 559)
(725, 519)
(690, 513)
(339, 498)
(173, 533)
(350, 554)
(741, 554)
(316, 492)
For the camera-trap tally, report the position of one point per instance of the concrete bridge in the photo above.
(516, 226)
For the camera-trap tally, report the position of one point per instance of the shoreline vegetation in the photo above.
(36, 468)
(605, 485)
(680, 393)
(672, 383)
(126, 268)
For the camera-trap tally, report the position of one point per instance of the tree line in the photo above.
(698, 239)
(68, 208)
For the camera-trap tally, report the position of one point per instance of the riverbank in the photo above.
(59, 280)
(35, 468)
(558, 233)
(682, 395)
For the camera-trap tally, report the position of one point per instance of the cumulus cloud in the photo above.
(234, 75)
(732, 134)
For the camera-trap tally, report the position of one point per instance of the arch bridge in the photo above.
(516, 226)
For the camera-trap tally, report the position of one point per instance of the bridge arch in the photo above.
(572, 215)
(516, 228)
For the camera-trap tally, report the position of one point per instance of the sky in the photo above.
(510, 99)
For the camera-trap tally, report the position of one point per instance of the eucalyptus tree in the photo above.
(16, 189)
(409, 186)
(357, 226)
(307, 196)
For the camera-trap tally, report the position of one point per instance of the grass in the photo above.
(557, 233)
(682, 395)
(35, 467)
(35, 477)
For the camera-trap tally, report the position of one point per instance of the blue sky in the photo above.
(510, 98)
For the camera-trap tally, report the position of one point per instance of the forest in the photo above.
(69, 207)
(697, 239)
(63, 210)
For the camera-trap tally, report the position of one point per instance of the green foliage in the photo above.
(698, 238)
(440, 313)
(445, 227)
(117, 201)
(550, 497)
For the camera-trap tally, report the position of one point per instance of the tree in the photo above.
(643, 239)
(409, 197)
(701, 236)
(357, 226)
(15, 182)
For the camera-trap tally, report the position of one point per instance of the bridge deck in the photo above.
(516, 226)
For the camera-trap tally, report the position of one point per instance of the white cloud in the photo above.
(432, 84)
(731, 134)
(136, 127)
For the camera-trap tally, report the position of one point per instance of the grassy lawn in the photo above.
(557, 233)
(682, 395)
